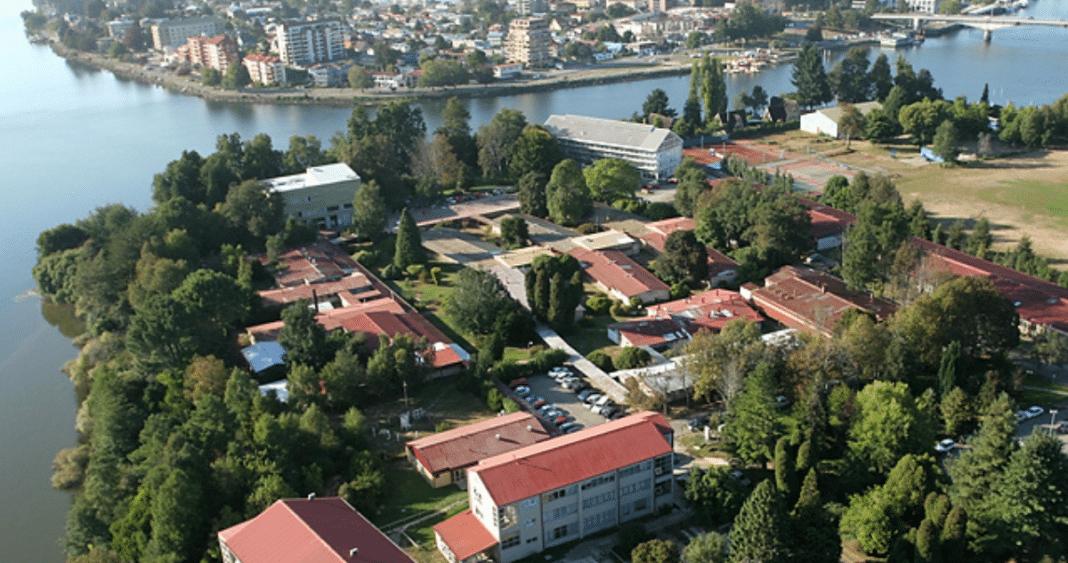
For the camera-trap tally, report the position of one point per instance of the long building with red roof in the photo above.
(528, 500)
(443, 458)
(312, 530)
(721, 268)
(673, 323)
(621, 277)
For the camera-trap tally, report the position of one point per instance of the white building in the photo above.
(655, 152)
(304, 43)
(171, 34)
(265, 69)
(561, 490)
(825, 121)
(321, 197)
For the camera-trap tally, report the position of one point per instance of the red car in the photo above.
(560, 420)
(517, 382)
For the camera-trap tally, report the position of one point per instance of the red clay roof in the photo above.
(674, 320)
(718, 263)
(618, 271)
(312, 263)
(466, 445)
(1037, 301)
(827, 221)
(571, 458)
(812, 301)
(323, 530)
(348, 286)
(465, 535)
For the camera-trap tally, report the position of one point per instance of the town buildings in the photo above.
(218, 52)
(323, 530)
(321, 196)
(527, 500)
(171, 34)
(825, 121)
(265, 69)
(443, 458)
(304, 43)
(722, 269)
(674, 323)
(656, 153)
(620, 277)
(528, 42)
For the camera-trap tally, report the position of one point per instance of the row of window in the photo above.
(598, 481)
(553, 495)
(599, 499)
(561, 512)
(598, 520)
(511, 540)
(628, 471)
(637, 487)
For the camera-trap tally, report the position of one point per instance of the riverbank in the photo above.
(553, 80)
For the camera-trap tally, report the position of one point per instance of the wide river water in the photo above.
(72, 139)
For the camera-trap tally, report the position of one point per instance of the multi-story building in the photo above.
(561, 490)
(320, 197)
(304, 43)
(528, 42)
(655, 152)
(265, 69)
(217, 52)
(528, 7)
(171, 34)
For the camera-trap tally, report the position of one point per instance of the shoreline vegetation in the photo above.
(343, 97)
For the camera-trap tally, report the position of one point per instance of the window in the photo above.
(506, 517)
(598, 499)
(598, 481)
(598, 520)
(641, 504)
(636, 487)
(511, 540)
(554, 495)
(332, 208)
(560, 532)
(628, 471)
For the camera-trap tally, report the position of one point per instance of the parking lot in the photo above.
(545, 387)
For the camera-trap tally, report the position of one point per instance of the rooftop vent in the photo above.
(353, 552)
(498, 436)
(311, 496)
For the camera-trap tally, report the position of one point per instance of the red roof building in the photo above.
(721, 268)
(351, 289)
(810, 300)
(669, 324)
(312, 530)
(443, 458)
(217, 52)
(563, 489)
(318, 262)
(621, 277)
(828, 224)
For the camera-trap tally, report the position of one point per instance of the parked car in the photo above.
(573, 429)
(585, 393)
(546, 408)
(560, 420)
(740, 477)
(537, 402)
(522, 381)
(593, 398)
(554, 413)
(1021, 416)
(559, 372)
(568, 426)
(945, 446)
(1035, 412)
(522, 390)
(698, 423)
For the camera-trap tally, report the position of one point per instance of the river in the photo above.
(72, 139)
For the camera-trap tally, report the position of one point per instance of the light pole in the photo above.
(405, 394)
(1052, 420)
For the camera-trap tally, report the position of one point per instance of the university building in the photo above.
(321, 197)
(655, 152)
(560, 490)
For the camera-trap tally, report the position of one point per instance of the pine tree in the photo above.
(947, 369)
(785, 478)
(810, 79)
(760, 530)
(928, 549)
(409, 245)
(368, 211)
(1031, 504)
(805, 457)
(954, 549)
(980, 469)
(814, 529)
(751, 430)
(936, 509)
(714, 90)
(956, 411)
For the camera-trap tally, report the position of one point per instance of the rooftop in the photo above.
(466, 445)
(618, 271)
(610, 239)
(572, 458)
(827, 221)
(658, 232)
(324, 530)
(608, 131)
(680, 319)
(315, 176)
(811, 300)
(465, 535)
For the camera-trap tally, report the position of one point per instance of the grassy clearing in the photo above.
(423, 534)
(410, 494)
(591, 334)
(430, 299)
(1032, 195)
(1028, 397)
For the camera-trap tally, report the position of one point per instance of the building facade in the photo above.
(302, 44)
(655, 152)
(218, 52)
(265, 69)
(320, 197)
(171, 34)
(561, 490)
(528, 42)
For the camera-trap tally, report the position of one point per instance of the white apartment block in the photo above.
(321, 197)
(925, 6)
(563, 489)
(171, 34)
(528, 42)
(655, 152)
(304, 43)
(265, 69)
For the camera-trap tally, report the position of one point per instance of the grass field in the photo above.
(410, 494)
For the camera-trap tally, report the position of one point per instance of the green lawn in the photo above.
(410, 494)
(430, 298)
(591, 334)
(1032, 195)
(423, 534)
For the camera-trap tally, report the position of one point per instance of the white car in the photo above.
(945, 446)
(1022, 416)
(1035, 412)
(559, 372)
(522, 390)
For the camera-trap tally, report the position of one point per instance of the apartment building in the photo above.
(561, 490)
(655, 152)
(171, 34)
(304, 43)
(528, 42)
(265, 69)
(320, 197)
(218, 52)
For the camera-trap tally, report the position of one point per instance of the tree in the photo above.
(303, 153)
(632, 357)
(684, 260)
(657, 102)
(496, 141)
(889, 424)
(656, 551)
(751, 428)
(210, 76)
(760, 532)
(567, 196)
(360, 78)
(956, 410)
(1032, 500)
(877, 518)
(849, 79)
(785, 477)
(708, 547)
(536, 150)
(713, 89)
(758, 100)
(872, 242)
(477, 302)
(944, 142)
(610, 179)
(810, 79)
(922, 119)
(928, 545)
(947, 369)
(715, 496)
(369, 213)
(514, 231)
(442, 72)
(879, 77)
(532, 194)
(851, 123)
(691, 185)
(302, 337)
(554, 288)
(409, 246)
(236, 77)
(717, 363)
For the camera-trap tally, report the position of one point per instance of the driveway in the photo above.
(458, 246)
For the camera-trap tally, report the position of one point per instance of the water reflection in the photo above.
(63, 318)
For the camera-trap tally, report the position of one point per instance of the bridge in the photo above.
(987, 23)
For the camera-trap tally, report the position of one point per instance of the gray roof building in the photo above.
(654, 152)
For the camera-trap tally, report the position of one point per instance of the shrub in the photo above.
(416, 270)
(587, 228)
(680, 291)
(435, 275)
(633, 357)
(391, 272)
(510, 406)
(599, 304)
(602, 360)
(660, 210)
(494, 400)
(442, 426)
(618, 309)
